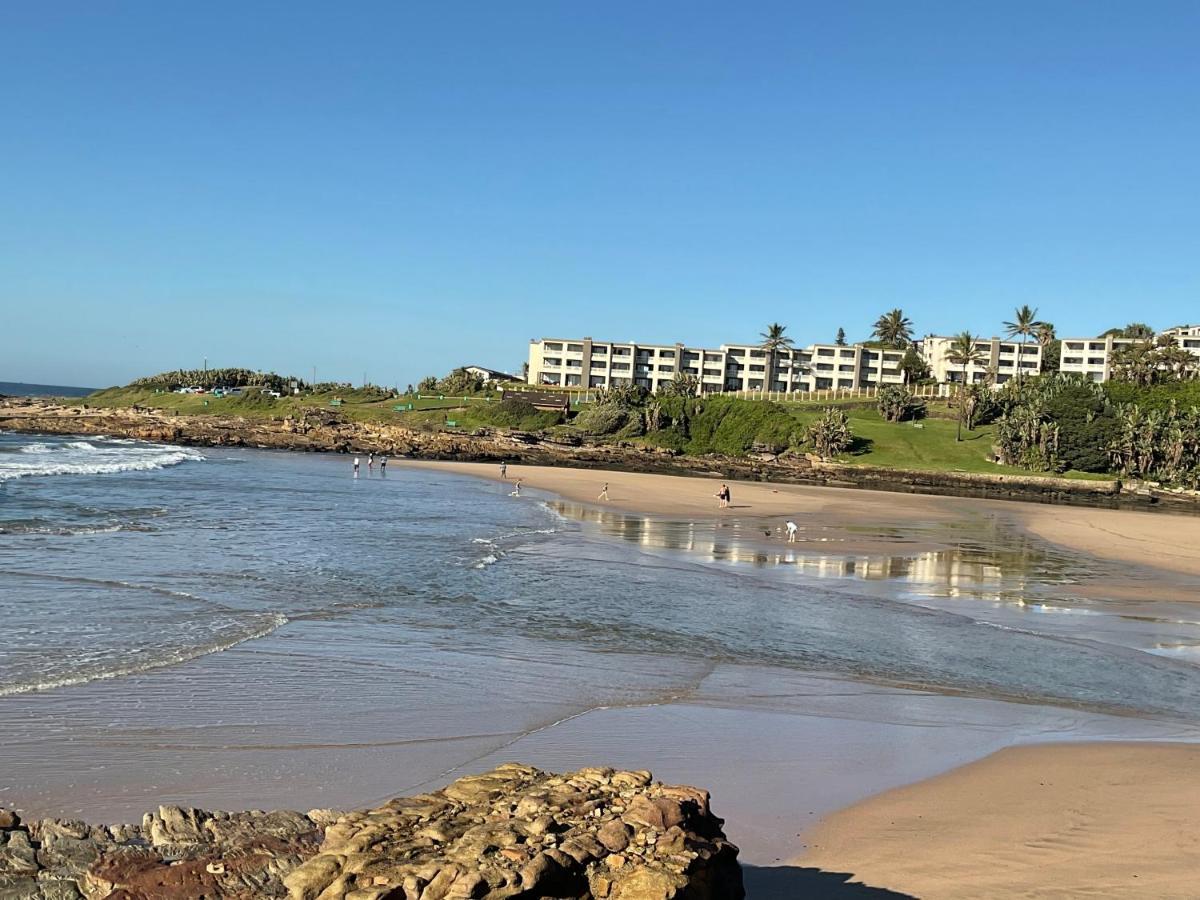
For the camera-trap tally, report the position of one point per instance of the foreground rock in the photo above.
(513, 832)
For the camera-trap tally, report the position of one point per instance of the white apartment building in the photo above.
(1000, 359)
(1092, 357)
(586, 363)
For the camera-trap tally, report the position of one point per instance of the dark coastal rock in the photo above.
(512, 832)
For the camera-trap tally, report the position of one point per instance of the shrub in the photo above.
(428, 384)
(830, 434)
(896, 403)
(606, 419)
(460, 382)
(515, 414)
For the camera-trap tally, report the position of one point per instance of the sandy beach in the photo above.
(1155, 540)
(1096, 820)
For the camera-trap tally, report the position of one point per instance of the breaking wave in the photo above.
(97, 457)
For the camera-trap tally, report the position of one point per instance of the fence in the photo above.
(829, 395)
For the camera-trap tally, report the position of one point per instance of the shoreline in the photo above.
(1145, 540)
(321, 430)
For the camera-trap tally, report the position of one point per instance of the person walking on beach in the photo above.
(723, 496)
(603, 492)
(516, 491)
(791, 531)
(356, 467)
(370, 463)
(383, 465)
(503, 471)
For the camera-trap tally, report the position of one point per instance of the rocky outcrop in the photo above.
(514, 832)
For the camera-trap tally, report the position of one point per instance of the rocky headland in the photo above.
(514, 832)
(332, 432)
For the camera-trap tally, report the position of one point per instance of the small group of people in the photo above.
(723, 496)
(516, 491)
(371, 464)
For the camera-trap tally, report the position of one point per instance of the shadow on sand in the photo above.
(801, 883)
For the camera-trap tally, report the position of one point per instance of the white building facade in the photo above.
(1000, 360)
(1092, 357)
(586, 363)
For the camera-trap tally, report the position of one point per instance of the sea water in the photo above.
(165, 607)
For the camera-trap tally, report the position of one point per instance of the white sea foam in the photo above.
(100, 457)
(173, 657)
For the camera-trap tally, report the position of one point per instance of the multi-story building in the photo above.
(586, 363)
(1092, 357)
(1000, 360)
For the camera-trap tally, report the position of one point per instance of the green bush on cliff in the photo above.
(725, 425)
(514, 414)
(602, 419)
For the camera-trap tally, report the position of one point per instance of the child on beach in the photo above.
(791, 531)
(603, 492)
(516, 491)
(370, 462)
(356, 467)
(504, 471)
(723, 496)
(383, 465)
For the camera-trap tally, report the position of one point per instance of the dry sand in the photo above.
(1160, 540)
(1094, 820)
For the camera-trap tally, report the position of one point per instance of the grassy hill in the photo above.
(725, 425)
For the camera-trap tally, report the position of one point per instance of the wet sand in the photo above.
(1147, 540)
(1096, 820)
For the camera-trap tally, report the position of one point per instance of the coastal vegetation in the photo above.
(1144, 423)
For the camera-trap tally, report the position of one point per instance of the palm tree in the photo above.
(1046, 333)
(894, 329)
(774, 340)
(1025, 326)
(963, 352)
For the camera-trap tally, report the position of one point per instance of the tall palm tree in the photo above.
(1046, 333)
(894, 329)
(963, 352)
(1025, 326)
(774, 340)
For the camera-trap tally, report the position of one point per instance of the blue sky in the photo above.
(396, 189)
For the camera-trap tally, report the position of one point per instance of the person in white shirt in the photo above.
(791, 530)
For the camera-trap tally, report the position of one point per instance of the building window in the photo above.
(575, 348)
(550, 345)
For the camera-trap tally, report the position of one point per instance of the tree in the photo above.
(914, 367)
(682, 385)
(840, 340)
(894, 329)
(1046, 334)
(1133, 330)
(1025, 325)
(460, 382)
(774, 340)
(830, 434)
(963, 352)
(1137, 363)
(427, 384)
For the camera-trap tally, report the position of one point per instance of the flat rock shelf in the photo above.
(514, 832)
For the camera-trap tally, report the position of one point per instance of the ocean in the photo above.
(224, 626)
(22, 389)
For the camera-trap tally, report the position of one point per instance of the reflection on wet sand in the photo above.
(1002, 574)
(965, 555)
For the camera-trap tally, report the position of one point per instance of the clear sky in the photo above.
(398, 188)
